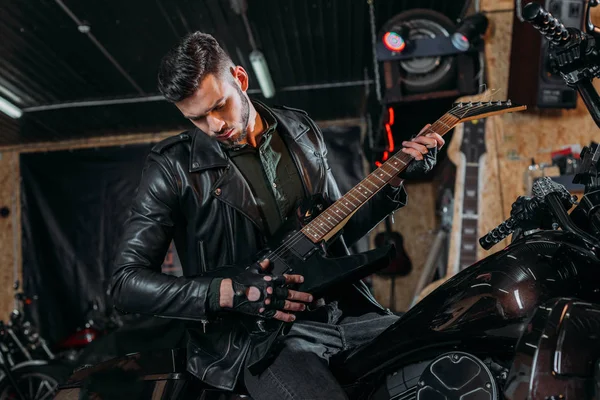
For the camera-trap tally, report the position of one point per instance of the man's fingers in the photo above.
(285, 317)
(415, 153)
(417, 146)
(293, 278)
(300, 296)
(264, 264)
(425, 128)
(291, 306)
(426, 141)
(438, 138)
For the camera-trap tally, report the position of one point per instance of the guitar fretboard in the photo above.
(319, 228)
(473, 148)
(470, 217)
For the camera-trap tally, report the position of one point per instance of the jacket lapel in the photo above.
(304, 151)
(230, 188)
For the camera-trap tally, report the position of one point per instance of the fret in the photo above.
(469, 216)
(350, 193)
(375, 175)
(319, 230)
(362, 194)
(383, 170)
(377, 187)
(363, 190)
(330, 217)
(323, 222)
(445, 126)
(344, 203)
(311, 231)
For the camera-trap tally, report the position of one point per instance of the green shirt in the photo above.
(270, 172)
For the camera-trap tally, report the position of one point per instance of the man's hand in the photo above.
(424, 149)
(255, 292)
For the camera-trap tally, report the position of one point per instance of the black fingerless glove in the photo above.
(418, 168)
(254, 276)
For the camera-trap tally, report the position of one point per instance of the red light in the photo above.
(390, 137)
(394, 42)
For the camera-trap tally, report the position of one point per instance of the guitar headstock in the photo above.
(483, 109)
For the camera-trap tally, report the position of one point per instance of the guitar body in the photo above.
(291, 252)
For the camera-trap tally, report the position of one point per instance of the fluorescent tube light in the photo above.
(10, 109)
(261, 70)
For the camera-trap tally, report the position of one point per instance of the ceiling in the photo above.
(318, 52)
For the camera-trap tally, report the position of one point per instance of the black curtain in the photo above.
(74, 205)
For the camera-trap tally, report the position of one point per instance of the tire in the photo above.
(40, 380)
(426, 73)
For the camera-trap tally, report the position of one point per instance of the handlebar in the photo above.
(529, 207)
(546, 23)
(548, 196)
(574, 54)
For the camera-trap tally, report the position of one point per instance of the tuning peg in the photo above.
(460, 104)
(470, 104)
(479, 103)
(499, 103)
(489, 103)
(508, 103)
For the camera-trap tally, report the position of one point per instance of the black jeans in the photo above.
(300, 371)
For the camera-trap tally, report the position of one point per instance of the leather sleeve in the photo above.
(138, 285)
(385, 202)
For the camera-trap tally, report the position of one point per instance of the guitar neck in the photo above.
(330, 221)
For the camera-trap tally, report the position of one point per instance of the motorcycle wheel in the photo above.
(36, 382)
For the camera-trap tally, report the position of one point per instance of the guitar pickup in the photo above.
(301, 246)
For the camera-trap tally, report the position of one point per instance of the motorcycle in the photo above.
(28, 367)
(458, 341)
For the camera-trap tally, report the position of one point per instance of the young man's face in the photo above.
(219, 107)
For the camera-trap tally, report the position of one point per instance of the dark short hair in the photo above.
(184, 66)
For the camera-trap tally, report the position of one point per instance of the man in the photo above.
(219, 191)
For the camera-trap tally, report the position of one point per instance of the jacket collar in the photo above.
(207, 153)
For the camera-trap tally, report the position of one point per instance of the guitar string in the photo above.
(447, 117)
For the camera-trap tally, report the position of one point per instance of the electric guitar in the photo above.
(298, 247)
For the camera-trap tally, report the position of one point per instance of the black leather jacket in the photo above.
(190, 192)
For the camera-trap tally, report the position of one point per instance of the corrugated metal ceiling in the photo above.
(45, 59)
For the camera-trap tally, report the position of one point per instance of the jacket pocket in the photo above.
(201, 254)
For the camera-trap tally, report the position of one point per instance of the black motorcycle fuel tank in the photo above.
(484, 308)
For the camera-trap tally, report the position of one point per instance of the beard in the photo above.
(245, 118)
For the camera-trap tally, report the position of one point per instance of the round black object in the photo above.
(457, 376)
(424, 74)
(4, 212)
